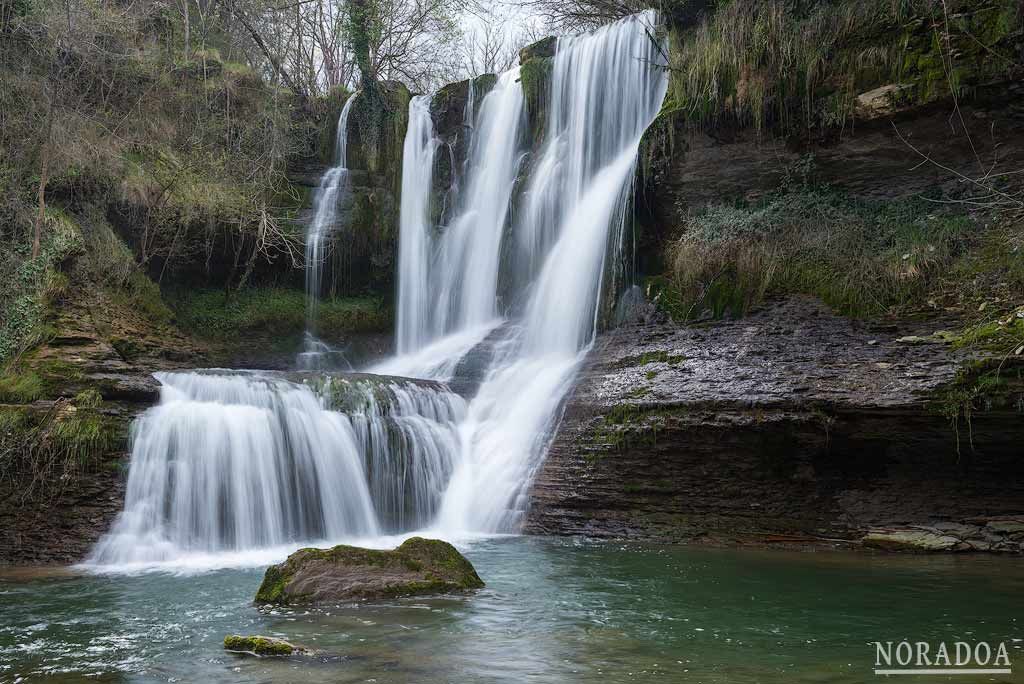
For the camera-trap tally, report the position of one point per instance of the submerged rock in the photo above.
(419, 566)
(262, 645)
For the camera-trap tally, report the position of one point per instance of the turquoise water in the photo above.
(554, 611)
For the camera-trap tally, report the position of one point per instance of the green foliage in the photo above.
(213, 314)
(30, 285)
(861, 257)
(20, 387)
(990, 384)
(188, 154)
(84, 437)
(45, 450)
(1004, 334)
(112, 265)
(800, 65)
(88, 399)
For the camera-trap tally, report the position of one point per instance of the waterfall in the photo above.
(606, 88)
(233, 461)
(448, 276)
(414, 226)
(407, 435)
(316, 353)
(230, 461)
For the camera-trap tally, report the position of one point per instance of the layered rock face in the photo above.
(94, 375)
(363, 242)
(792, 426)
(795, 425)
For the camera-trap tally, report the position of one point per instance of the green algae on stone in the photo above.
(419, 566)
(535, 79)
(260, 645)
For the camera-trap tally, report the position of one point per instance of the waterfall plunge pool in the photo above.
(554, 610)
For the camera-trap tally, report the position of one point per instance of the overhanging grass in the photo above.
(44, 451)
(863, 258)
(786, 65)
(213, 314)
(20, 387)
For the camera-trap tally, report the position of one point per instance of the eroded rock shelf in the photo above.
(790, 427)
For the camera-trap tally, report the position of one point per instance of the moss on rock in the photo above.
(791, 67)
(545, 47)
(260, 645)
(210, 314)
(419, 566)
(535, 78)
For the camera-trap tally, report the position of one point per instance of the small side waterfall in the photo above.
(316, 354)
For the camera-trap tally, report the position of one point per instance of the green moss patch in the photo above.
(418, 566)
(259, 645)
(535, 78)
(213, 314)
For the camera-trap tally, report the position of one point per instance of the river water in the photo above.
(554, 610)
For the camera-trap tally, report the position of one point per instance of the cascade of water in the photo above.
(408, 436)
(606, 88)
(237, 461)
(414, 235)
(230, 462)
(317, 354)
(447, 280)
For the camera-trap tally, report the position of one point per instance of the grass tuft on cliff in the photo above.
(791, 66)
(43, 450)
(863, 258)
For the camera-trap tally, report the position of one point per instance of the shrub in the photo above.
(861, 257)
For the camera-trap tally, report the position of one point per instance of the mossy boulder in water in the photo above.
(419, 566)
(262, 646)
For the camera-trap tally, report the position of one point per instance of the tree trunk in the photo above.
(262, 45)
(188, 27)
(44, 176)
(359, 28)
